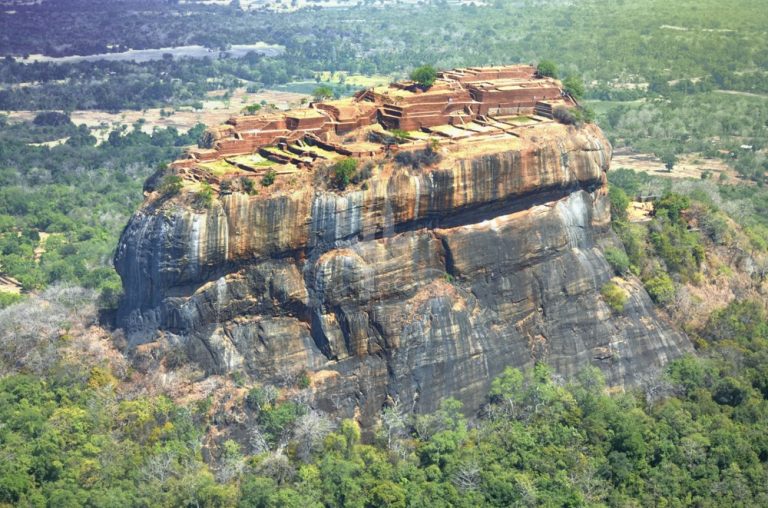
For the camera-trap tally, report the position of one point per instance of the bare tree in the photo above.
(232, 462)
(467, 477)
(681, 305)
(586, 476)
(31, 331)
(278, 467)
(79, 302)
(656, 386)
(304, 397)
(257, 441)
(394, 424)
(309, 433)
(158, 467)
(287, 376)
(739, 209)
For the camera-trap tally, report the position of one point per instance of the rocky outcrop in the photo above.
(418, 284)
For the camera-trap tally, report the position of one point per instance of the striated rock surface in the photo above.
(418, 284)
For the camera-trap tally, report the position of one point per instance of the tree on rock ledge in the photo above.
(343, 171)
(424, 75)
(574, 86)
(546, 69)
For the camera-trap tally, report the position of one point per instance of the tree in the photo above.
(269, 178)
(564, 115)
(619, 203)
(393, 425)
(574, 86)
(546, 69)
(252, 109)
(418, 158)
(506, 391)
(424, 75)
(743, 321)
(204, 197)
(248, 185)
(618, 260)
(387, 494)
(350, 433)
(467, 477)
(322, 92)
(661, 288)
(7, 299)
(584, 114)
(614, 296)
(309, 433)
(343, 171)
(672, 204)
(52, 119)
(171, 185)
(669, 159)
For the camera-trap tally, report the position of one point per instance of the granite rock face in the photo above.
(419, 285)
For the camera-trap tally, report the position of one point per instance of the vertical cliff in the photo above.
(418, 284)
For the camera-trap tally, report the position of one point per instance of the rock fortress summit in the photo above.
(403, 244)
(480, 103)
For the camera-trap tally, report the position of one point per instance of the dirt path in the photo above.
(743, 94)
(9, 285)
(40, 249)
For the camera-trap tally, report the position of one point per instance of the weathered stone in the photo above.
(423, 285)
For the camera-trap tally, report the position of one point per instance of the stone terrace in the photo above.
(463, 105)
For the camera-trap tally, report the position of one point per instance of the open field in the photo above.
(146, 55)
(9, 285)
(688, 166)
(240, 98)
(743, 94)
(216, 110)
(357, 80)
(602, 107)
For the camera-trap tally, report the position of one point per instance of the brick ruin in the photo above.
(462, 104)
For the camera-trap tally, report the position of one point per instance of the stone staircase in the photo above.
(544, 109)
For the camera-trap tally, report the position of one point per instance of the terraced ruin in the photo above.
(471, 105)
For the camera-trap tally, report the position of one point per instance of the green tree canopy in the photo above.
(424, 75)
(322, 92)
(547, 69)
(574, 85)
(343, 171)
(669, 159)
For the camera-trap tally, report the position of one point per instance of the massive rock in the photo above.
(418, 284)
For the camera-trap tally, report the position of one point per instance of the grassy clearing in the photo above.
(219, 167)
(359, 80)
(602, 107)
(254, 161)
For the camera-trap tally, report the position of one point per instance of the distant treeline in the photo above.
(646, 42)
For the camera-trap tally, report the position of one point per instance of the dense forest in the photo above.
(77, 195)
(624, 49)
(79, 430)
(82, 426)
